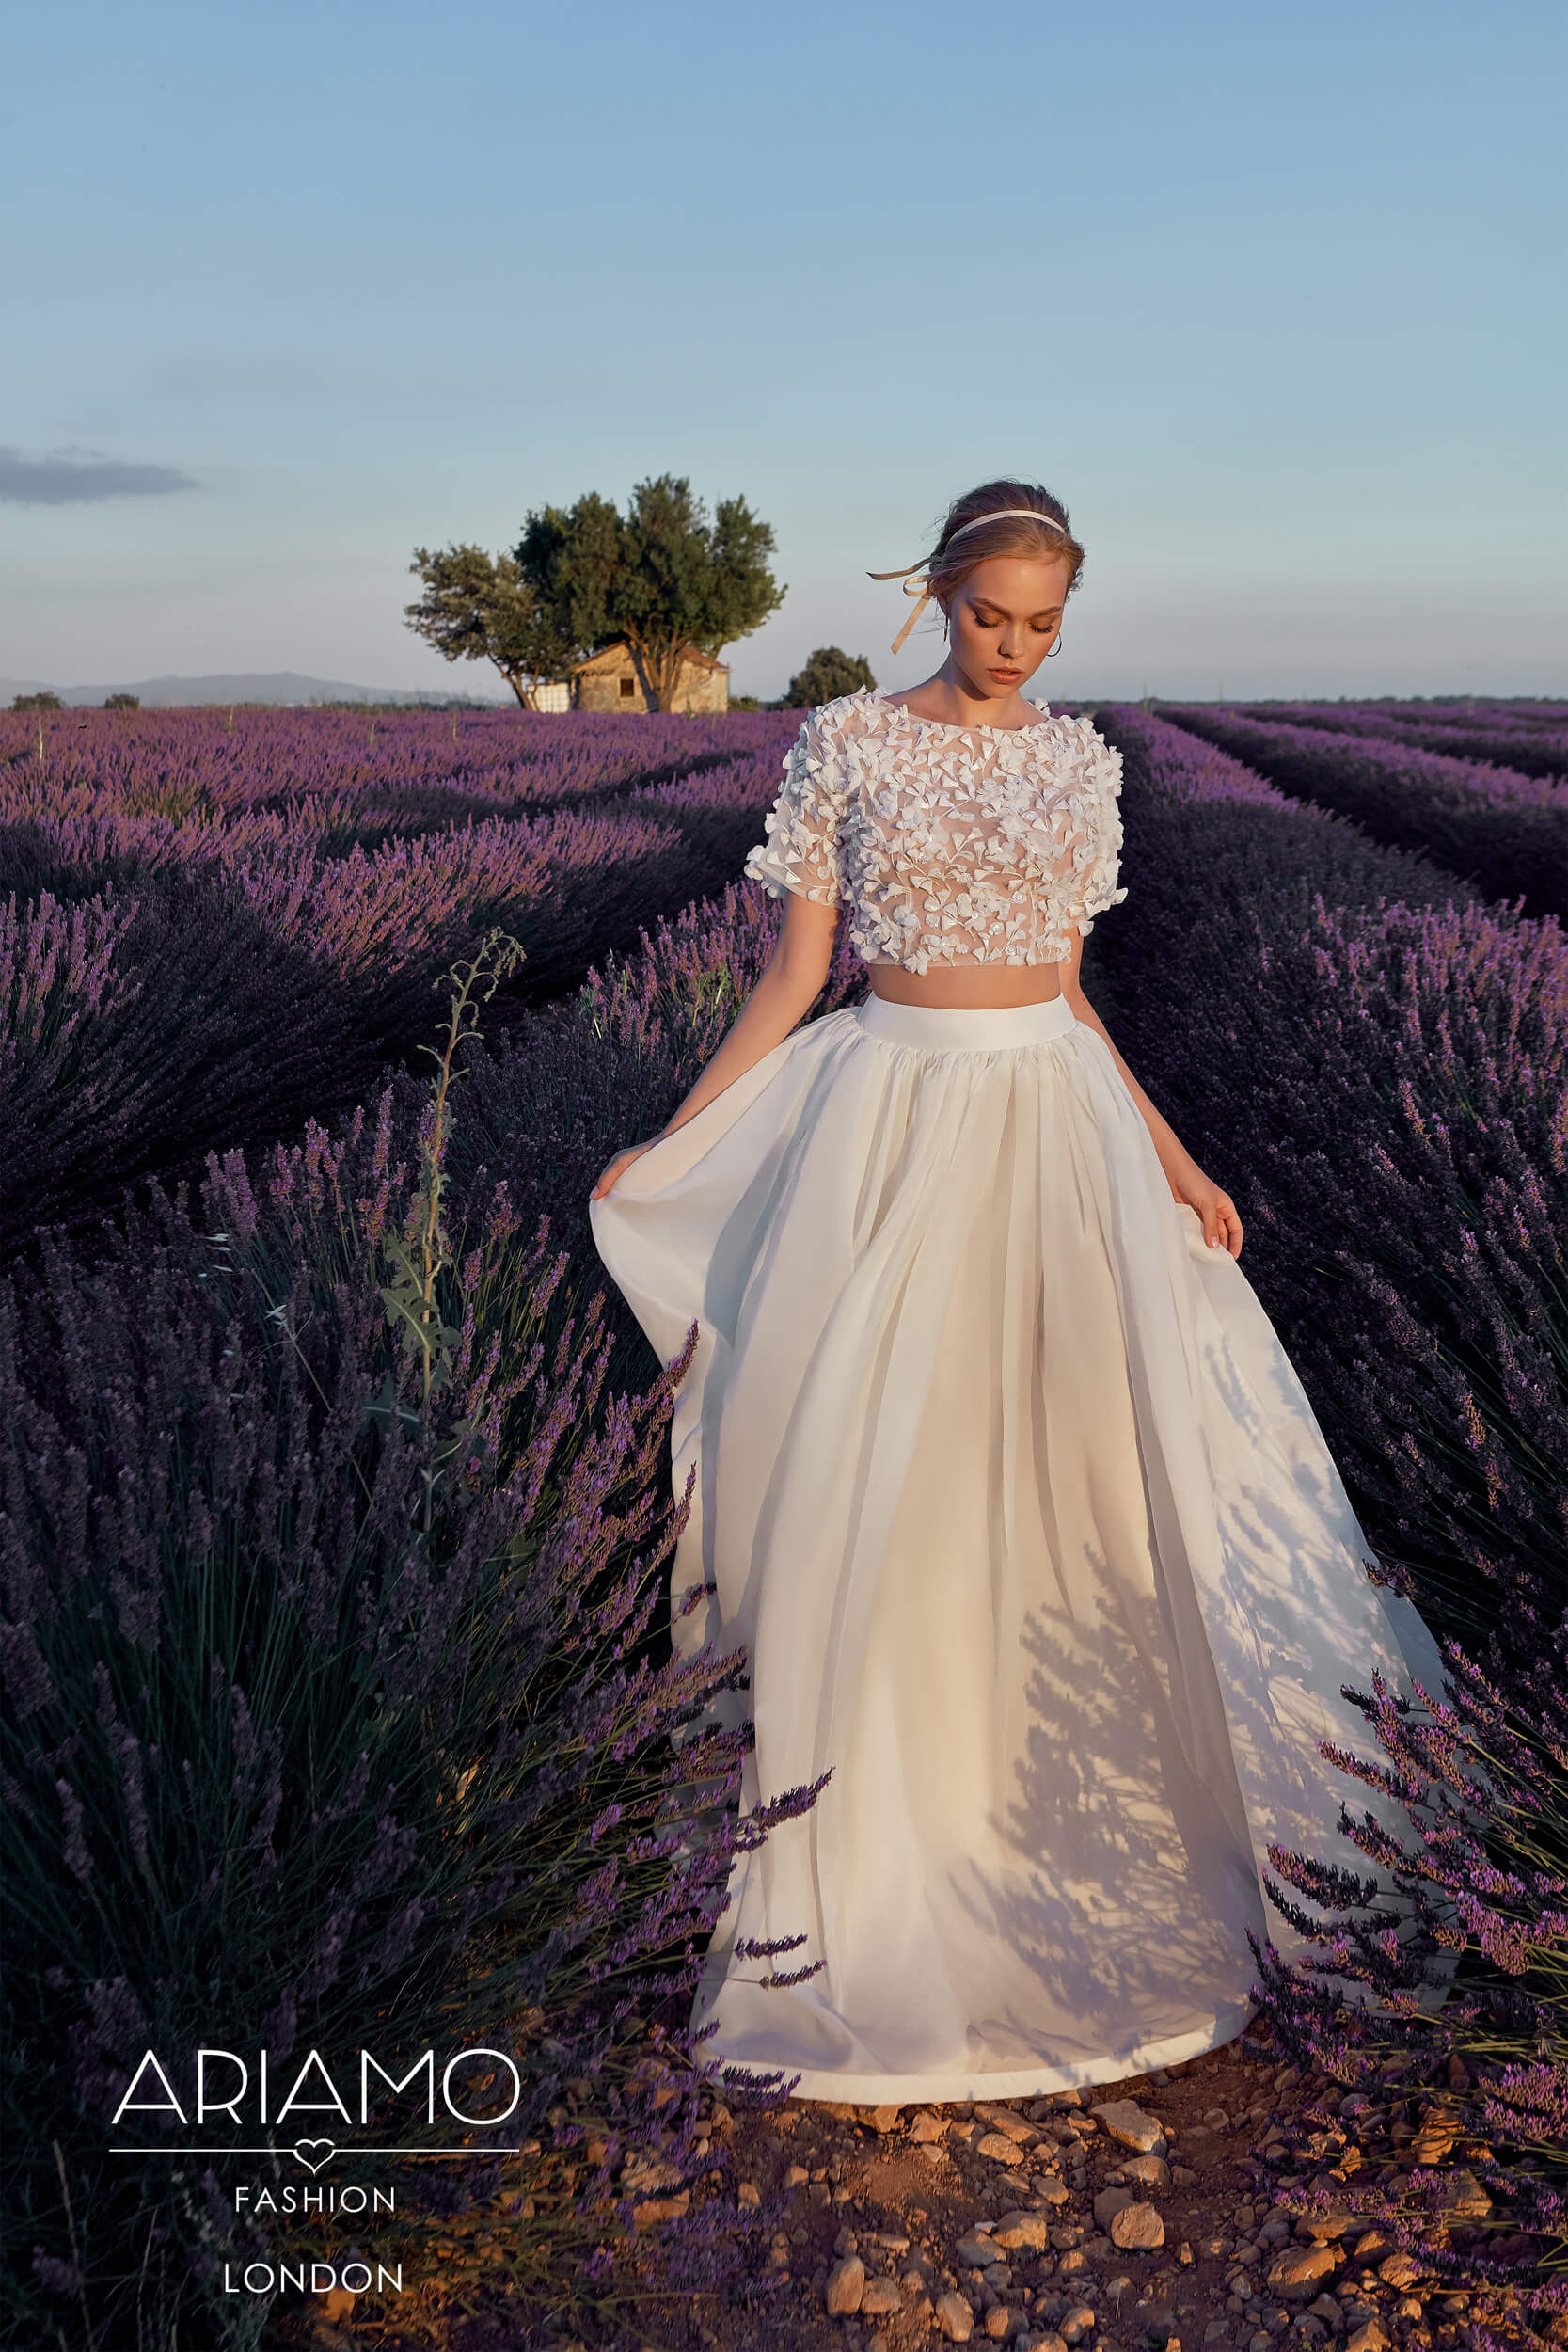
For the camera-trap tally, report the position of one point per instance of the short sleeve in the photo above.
(1094, 886)
(801, 851)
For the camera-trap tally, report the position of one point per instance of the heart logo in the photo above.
(315, 2154)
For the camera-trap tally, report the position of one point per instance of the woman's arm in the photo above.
(1187, 1181)
(781, 999)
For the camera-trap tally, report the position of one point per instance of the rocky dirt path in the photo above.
(1137, 2214)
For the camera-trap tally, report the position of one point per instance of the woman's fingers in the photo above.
(1222, 1227)
(609, 1176)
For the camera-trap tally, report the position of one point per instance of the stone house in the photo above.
(608, 681)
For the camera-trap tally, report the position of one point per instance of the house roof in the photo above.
(616, 653)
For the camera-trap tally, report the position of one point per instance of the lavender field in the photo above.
(1490, 806)
(334, 1519)
(212, 927)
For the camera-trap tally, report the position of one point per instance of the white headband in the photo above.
(916, 577)
(1001, 516)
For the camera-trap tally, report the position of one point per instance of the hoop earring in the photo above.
(1056, 648)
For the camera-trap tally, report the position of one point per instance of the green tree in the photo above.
(479, 607)
(662, 577)
(122, 702)
(828, 673)
(38, 702)
(568, 559)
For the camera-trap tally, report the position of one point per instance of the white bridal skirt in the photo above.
(1008, 1487)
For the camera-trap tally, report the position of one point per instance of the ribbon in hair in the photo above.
(915, 577)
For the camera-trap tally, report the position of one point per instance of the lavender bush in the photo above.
(135, 1026)
(1506, 833)
(1450, 2127)
(1376, 1068)
(327, 1589)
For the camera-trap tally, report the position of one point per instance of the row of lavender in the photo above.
(1529, 738)
(204, 940)
(1505, 830)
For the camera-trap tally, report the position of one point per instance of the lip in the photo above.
(1008, 677)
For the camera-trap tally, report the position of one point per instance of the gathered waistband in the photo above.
(984, 1029)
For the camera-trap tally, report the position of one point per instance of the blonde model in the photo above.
(1003, 1476)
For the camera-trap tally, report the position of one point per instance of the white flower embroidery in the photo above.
(946, 845)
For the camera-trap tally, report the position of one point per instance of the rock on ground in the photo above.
(1137, 2229)
(846, 2286)
(1130, 2126)
(953, 2317)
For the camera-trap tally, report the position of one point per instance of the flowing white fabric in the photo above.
(1008, 1487)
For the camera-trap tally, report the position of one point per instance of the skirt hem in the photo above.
(1017, 2082)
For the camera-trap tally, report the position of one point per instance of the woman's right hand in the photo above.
(611, 1175)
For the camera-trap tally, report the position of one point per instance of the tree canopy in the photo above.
(479, 607)
(661, 576)
(827, 673)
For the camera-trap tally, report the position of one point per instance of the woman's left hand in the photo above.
(1222, 1227)
(611, 1175)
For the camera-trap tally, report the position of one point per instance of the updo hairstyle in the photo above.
(1015, 536)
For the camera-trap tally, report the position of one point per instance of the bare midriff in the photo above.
(967, 987)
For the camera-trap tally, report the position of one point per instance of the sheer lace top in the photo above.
(944, 844)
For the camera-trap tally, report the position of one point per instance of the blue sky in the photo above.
(1267, 293)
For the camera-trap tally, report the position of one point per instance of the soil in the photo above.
(901, 2190)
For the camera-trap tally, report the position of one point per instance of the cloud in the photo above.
(79, 477)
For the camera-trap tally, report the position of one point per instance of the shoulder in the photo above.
(1078, 743)
(846, 714)
(828, 727)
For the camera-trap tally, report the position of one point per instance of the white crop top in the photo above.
(947, 845)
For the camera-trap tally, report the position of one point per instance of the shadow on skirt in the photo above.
(1008, 1487)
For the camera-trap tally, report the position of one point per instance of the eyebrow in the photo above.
(991, 604)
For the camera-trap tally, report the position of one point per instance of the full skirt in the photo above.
(1005, 1483)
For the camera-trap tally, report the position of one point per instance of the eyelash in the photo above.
(1043, 629)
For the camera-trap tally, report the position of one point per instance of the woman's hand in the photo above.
(1222, 1227)
(611, 1175)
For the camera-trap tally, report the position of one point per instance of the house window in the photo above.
(629, 689)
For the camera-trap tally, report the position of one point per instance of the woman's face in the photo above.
(1004, 619)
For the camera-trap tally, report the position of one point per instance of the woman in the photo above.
(1003, 1477)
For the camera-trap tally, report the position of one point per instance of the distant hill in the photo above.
(269, 685)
